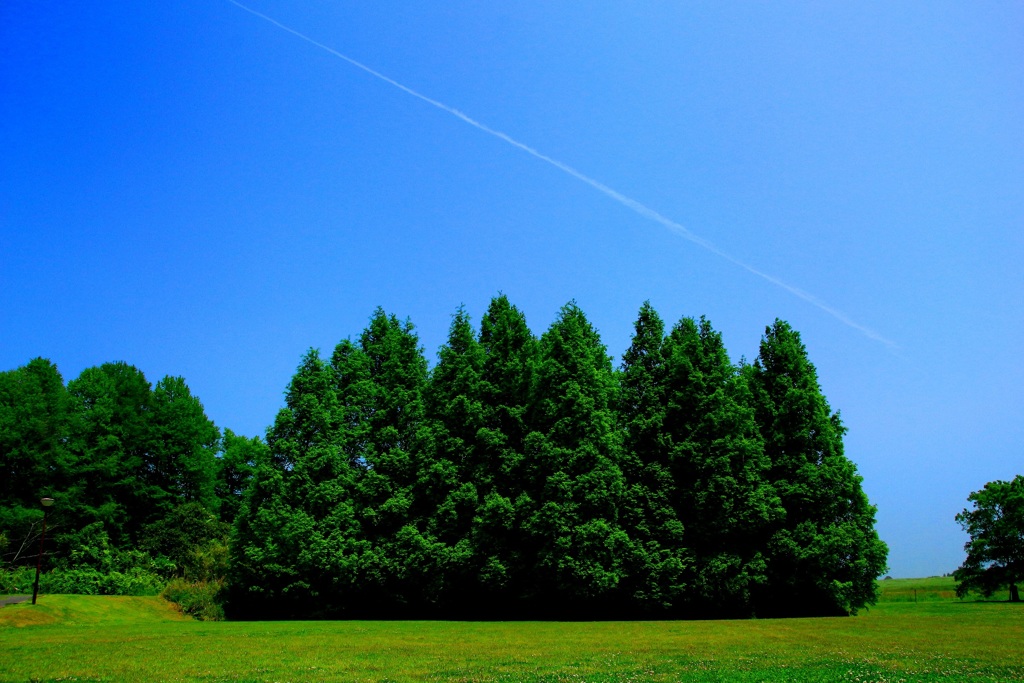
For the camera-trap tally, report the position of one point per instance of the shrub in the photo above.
(85, 581)
(199, 599)
(88, 581)
(16, 580)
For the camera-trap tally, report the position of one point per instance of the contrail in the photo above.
(628, 202)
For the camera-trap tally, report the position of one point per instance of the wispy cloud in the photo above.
(628, 202)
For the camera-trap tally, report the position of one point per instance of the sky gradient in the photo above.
(196, 191)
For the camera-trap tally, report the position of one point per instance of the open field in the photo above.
(68, 637)
(935, 588)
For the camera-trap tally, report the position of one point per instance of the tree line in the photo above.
(526, 476)
(521, 476)
(146, 485)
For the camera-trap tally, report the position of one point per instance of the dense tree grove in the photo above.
(528, 477)
(520, 477)
(145, 484)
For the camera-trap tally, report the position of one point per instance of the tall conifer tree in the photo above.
(452, 470)
(501, 557)
(718, 467)
(573, 466)
(294, 546)
(180, 461)
(405, 563)
(109, 434)
(659, 559)
(824, 555)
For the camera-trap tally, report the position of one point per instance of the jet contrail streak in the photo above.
(628, 202)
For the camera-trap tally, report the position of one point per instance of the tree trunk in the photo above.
(1014, 595)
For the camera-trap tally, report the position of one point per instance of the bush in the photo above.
(200, 599)
(17, 580)
(87, 581)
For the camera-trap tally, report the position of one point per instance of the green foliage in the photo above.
(502, 552)
(659, 557)
(180, 462)
(519, 477)
(201, 600)
(192, 539)
(332, 521)
(296, 517)
(823, 554)
(109, 434)
(574, 453)
(235, 468)
(14, 580)
(995, 551)
(717, 461)
(89, 564)
(33, 454)
(88, 581)
(133, 472)
(83, 581)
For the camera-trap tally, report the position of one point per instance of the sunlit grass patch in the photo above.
(89, 610)
(136, 639)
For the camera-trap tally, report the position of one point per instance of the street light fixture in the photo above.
(46, 503)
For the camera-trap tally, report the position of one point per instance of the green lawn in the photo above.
(68, 637)
(941, 588)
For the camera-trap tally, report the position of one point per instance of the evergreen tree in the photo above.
(235, 467)
(656, 568)
(453, 401)
(573, 469)
(109, 438)
(295, 542)
(500, 545)
(404, 565)
(263, 580)
(452, 466)
(180, 463)
(823, 556)
(719, 471)
(528, 477)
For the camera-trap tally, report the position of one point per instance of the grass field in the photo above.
(938, 637)
(942, 588)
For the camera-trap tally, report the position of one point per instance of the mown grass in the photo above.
(134, 639)
(941, 588)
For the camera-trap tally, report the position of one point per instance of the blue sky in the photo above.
(189, 188)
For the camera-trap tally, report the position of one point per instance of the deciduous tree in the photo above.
(34, 459)
(995, 551)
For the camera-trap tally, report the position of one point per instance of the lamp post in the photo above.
(46, 502)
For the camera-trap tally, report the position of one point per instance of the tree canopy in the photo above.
(121, 458)
(521, 476)
(995, 551)
(527, 476)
